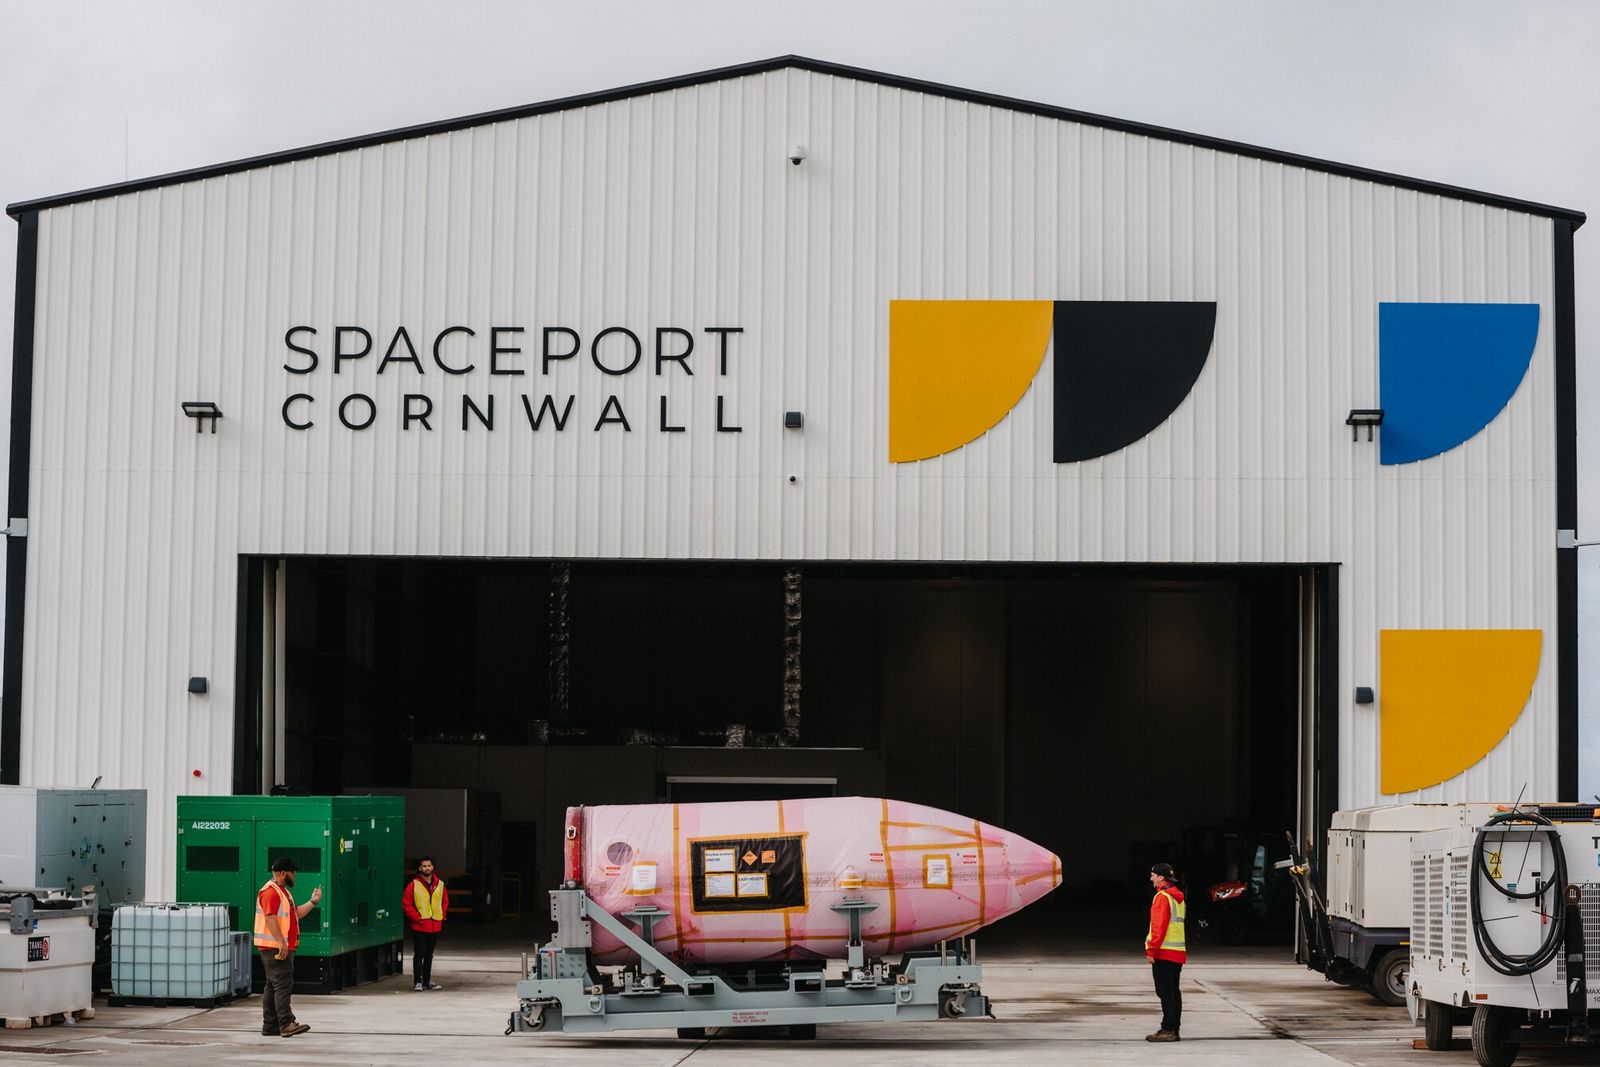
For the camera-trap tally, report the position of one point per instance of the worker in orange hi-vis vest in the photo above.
(277, 935)
(426, 902)
(1166, 949)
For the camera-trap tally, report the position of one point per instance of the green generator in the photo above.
(351, 846)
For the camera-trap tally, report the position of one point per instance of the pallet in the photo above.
(1461, 1044)
(168, 1002)
(56, 1019)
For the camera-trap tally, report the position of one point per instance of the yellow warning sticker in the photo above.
(749, 858)
(769, 855)
(1494, 865)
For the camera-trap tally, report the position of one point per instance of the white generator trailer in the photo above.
(1366, 933)
(1501, 913)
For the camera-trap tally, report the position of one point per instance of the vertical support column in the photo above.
(249, 608)
(271, 756)
(1321, 698)
(274, 673)
(789, 737)
(1330, 696)
(1305, 710)
(278, 770)
(560, 639)
(1566, 516)
(17, 497)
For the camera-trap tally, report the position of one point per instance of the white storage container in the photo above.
(46, 954)
(172, 952)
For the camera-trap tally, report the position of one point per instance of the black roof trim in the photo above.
(1577, 218)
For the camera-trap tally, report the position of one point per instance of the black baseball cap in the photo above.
(1163, 869)
(284, 863)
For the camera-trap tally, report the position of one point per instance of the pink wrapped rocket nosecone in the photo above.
(757, 880)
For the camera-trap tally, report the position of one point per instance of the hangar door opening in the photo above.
(1115, 715)
(1118, 716)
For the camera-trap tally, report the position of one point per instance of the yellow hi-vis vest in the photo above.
(428, 903)
(263, 936)
(1172, 941)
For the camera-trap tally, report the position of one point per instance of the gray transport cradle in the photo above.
(563, 990)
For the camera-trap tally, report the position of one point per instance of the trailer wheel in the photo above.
(1437, 1025)
(1494, 1036)
(1389, 975)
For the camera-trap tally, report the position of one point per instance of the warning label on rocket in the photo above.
(748, 874)
(644, 878)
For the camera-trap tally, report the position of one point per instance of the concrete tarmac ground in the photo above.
(1248, 1007)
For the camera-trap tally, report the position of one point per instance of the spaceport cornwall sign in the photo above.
(487, 354)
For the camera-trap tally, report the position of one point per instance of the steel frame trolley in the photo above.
(563, 990)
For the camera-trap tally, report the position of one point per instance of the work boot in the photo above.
(1162, 1035)
(270, 1031)
(294, 1028)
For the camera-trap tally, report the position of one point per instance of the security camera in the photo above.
(797, 153)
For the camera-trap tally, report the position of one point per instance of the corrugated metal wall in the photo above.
(680, 209)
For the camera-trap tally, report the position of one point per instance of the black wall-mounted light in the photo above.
(200, 411)
(1363, 694)
(197, 685)
(1359, 417)
(793, 420)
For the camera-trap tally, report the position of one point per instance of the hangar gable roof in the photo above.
(1576, 218)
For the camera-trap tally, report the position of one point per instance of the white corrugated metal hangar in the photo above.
(792, 428)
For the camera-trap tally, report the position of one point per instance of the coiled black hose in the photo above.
(1505, 962)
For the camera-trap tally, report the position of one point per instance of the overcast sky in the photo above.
(1500, 96)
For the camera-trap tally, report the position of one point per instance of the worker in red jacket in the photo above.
(1165, 947)
(426, 902)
